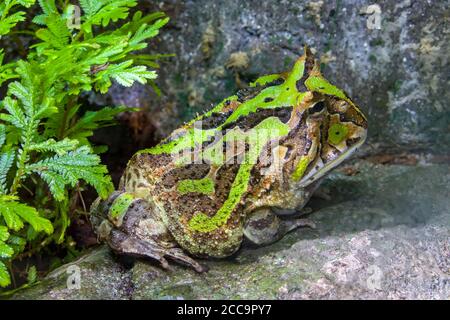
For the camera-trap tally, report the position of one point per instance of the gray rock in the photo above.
(399, 74)
(385, 234)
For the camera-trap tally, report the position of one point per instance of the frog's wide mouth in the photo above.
(320, 168)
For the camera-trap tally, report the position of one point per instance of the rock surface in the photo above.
(385, 234)
(398, 74)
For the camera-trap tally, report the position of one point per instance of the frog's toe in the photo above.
(293, 224)
(179, 256)
(124, 244)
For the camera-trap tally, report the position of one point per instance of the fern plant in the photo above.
(44, 139)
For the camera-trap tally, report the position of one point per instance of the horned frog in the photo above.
(243, 170)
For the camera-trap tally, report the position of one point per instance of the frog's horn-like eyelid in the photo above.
(316, 69)
(307, 51)
(309, 58)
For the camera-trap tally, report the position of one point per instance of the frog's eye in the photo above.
(318, 107)
(337, 133)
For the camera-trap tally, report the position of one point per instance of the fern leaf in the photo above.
(67, 169)
(137, 21)
(57, 35)
(14, 213)
(126, 75)
(30, 215)
(6, 162)
(92, 120)
(32, 275)
(57, 183)
(23, 94)
(4, 234)
(16, 115)
(48, 7)
(145, 31)
(5, 250)
(90, 7)
(6, 70)
(97, 58)
(137, 73)
(102, 12)
(12, 220)
(113, 11)
(26, 3)
(59, 147)
(2, 134)
(7, 23)
(28, 74)
(17, 243)
(5, 279)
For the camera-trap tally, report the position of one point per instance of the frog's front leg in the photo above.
(264, 226)
(132, 227)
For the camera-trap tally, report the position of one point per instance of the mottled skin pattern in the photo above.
(169, 207)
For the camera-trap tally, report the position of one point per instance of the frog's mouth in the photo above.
(319, 168)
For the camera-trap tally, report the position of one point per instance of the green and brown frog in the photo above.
(241, 171)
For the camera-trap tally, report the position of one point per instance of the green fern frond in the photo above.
(102, 12)
(16, 213)
(6, 162)
(5, 279)
(15, 114)
(2, 135)
(17, 243)
(90, 7)
(93, 120)
(32, 275)
(138, 20)
(102, 56)
(129, 76)
(8, 23)
(26, 3)
(48, 7)
(4, 234)
(5, 251)
(58, 147)
(145, 32)
(126, 75)
(6, 70)
(9, 20)
(60, 171)
(57, 33)
(25, 96)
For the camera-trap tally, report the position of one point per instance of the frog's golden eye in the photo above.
(337, 133)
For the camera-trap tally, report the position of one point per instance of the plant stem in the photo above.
(23, 158)
(20, 171)
(70, 105)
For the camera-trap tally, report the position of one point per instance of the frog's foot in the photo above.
(178, 255)
(132, 226)
(264, 227)
(123, 244)
(293, 224)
